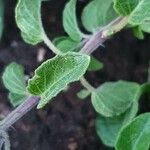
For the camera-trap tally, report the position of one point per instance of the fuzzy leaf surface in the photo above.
(28, 19)
(97, 14)
(54, 75)
(136, 135)
(114, 98)
(137, 10)
(108, 128)
(16, 99)
(70, 21)
(66, 44)
(14, 81)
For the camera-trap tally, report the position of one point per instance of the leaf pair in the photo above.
(116, 104)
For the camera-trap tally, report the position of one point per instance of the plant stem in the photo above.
(87, 85)
(101, 35)
(50, 44)
(19, 112)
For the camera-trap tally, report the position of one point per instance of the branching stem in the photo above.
(87, 85)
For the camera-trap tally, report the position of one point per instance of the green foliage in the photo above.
(83, 94)
(137, 10)
(1, 16)
(28, 19)
(54, 75)
(97, 14)
(138, 33)
(108, 128)
(66, 44)
(95, 64)
(145, 26)
(114, 98)
(136, 135)
(14, 81)
(70, 21)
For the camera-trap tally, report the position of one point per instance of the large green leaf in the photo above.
(114, 98)
(1, 16)
(54, 75)
(137, 10)
(28, 19)
(66, 44)
(136, 135)
(97, 14)
(14, 81)
(70, 21)
(108, 128)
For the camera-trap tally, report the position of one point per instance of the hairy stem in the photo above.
(101, 35)
(19, 112)
(86, 84)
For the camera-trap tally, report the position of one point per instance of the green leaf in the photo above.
(13, 79)
(16, 99)
(137, 10)
(70, 21)
(100, 12)
(136, 135)
(141, 13)
(54, 75)
(83, 94)
(66, 44)
(108, 128)
(138, 33)
(28, 19)
(95, 64)
(145, 26)
(1, 16)
(125, 7)
(114, 98)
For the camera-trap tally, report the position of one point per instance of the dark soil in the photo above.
(67, 123)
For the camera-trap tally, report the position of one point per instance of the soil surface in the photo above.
(67, 123)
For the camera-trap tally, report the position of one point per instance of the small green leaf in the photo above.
(70, 21)
(108, 128)
(138, 33)
(66, 44)
(83, 94)
(136, 135)
(114, 98)
(28, 19)
(16, 99)
(54, 75)
(95, 64)
(1, 16)
(13, 79)
(100, 12)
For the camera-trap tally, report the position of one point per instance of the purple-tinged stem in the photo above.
(19, 112)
